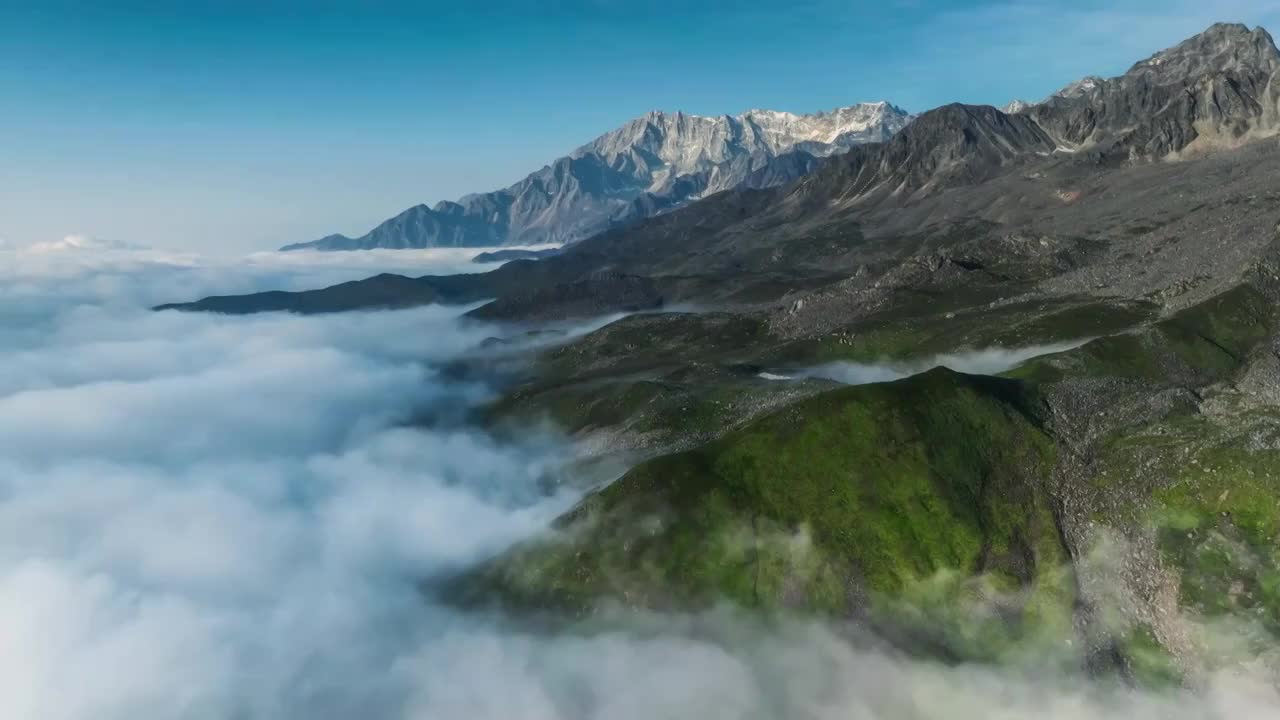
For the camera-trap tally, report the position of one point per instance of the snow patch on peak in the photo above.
(686, 142)
(1083, 86)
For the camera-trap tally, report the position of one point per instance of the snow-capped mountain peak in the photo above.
(677, 135)
(1083, 86)
(649, 165)
(674, 144)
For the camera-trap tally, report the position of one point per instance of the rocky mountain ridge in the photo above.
(652, 164)
(969, 165)
(1215, 90)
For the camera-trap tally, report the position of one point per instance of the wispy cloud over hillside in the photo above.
(213, 517)
(984, 361)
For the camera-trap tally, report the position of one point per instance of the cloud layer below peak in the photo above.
(232, 517)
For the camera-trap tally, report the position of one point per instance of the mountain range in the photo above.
(957, 164)
(1111, 503)
(1211, 93)
(650, 165)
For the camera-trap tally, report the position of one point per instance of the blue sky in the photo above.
(246, 124)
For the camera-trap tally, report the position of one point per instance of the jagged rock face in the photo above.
(961, 143)
(447, 225)
(648, 166)
(1016, 106)
(1214, 90)
(662, 146)
(954, 144)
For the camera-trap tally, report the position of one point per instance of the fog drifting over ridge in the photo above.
(225, 517)
(984, 361)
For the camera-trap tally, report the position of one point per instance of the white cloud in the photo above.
(725, 665)
(203, 516)
(226, 517)
(79, 270)
(984, 361)
(78, 242)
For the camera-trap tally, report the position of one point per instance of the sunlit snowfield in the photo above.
(228, 517)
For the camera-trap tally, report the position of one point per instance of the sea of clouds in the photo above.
(232, 517)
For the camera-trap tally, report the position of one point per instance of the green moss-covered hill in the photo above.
(1101, 506)
(862, 493)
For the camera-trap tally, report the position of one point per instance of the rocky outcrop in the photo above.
(951, 145)
(1217, 89)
